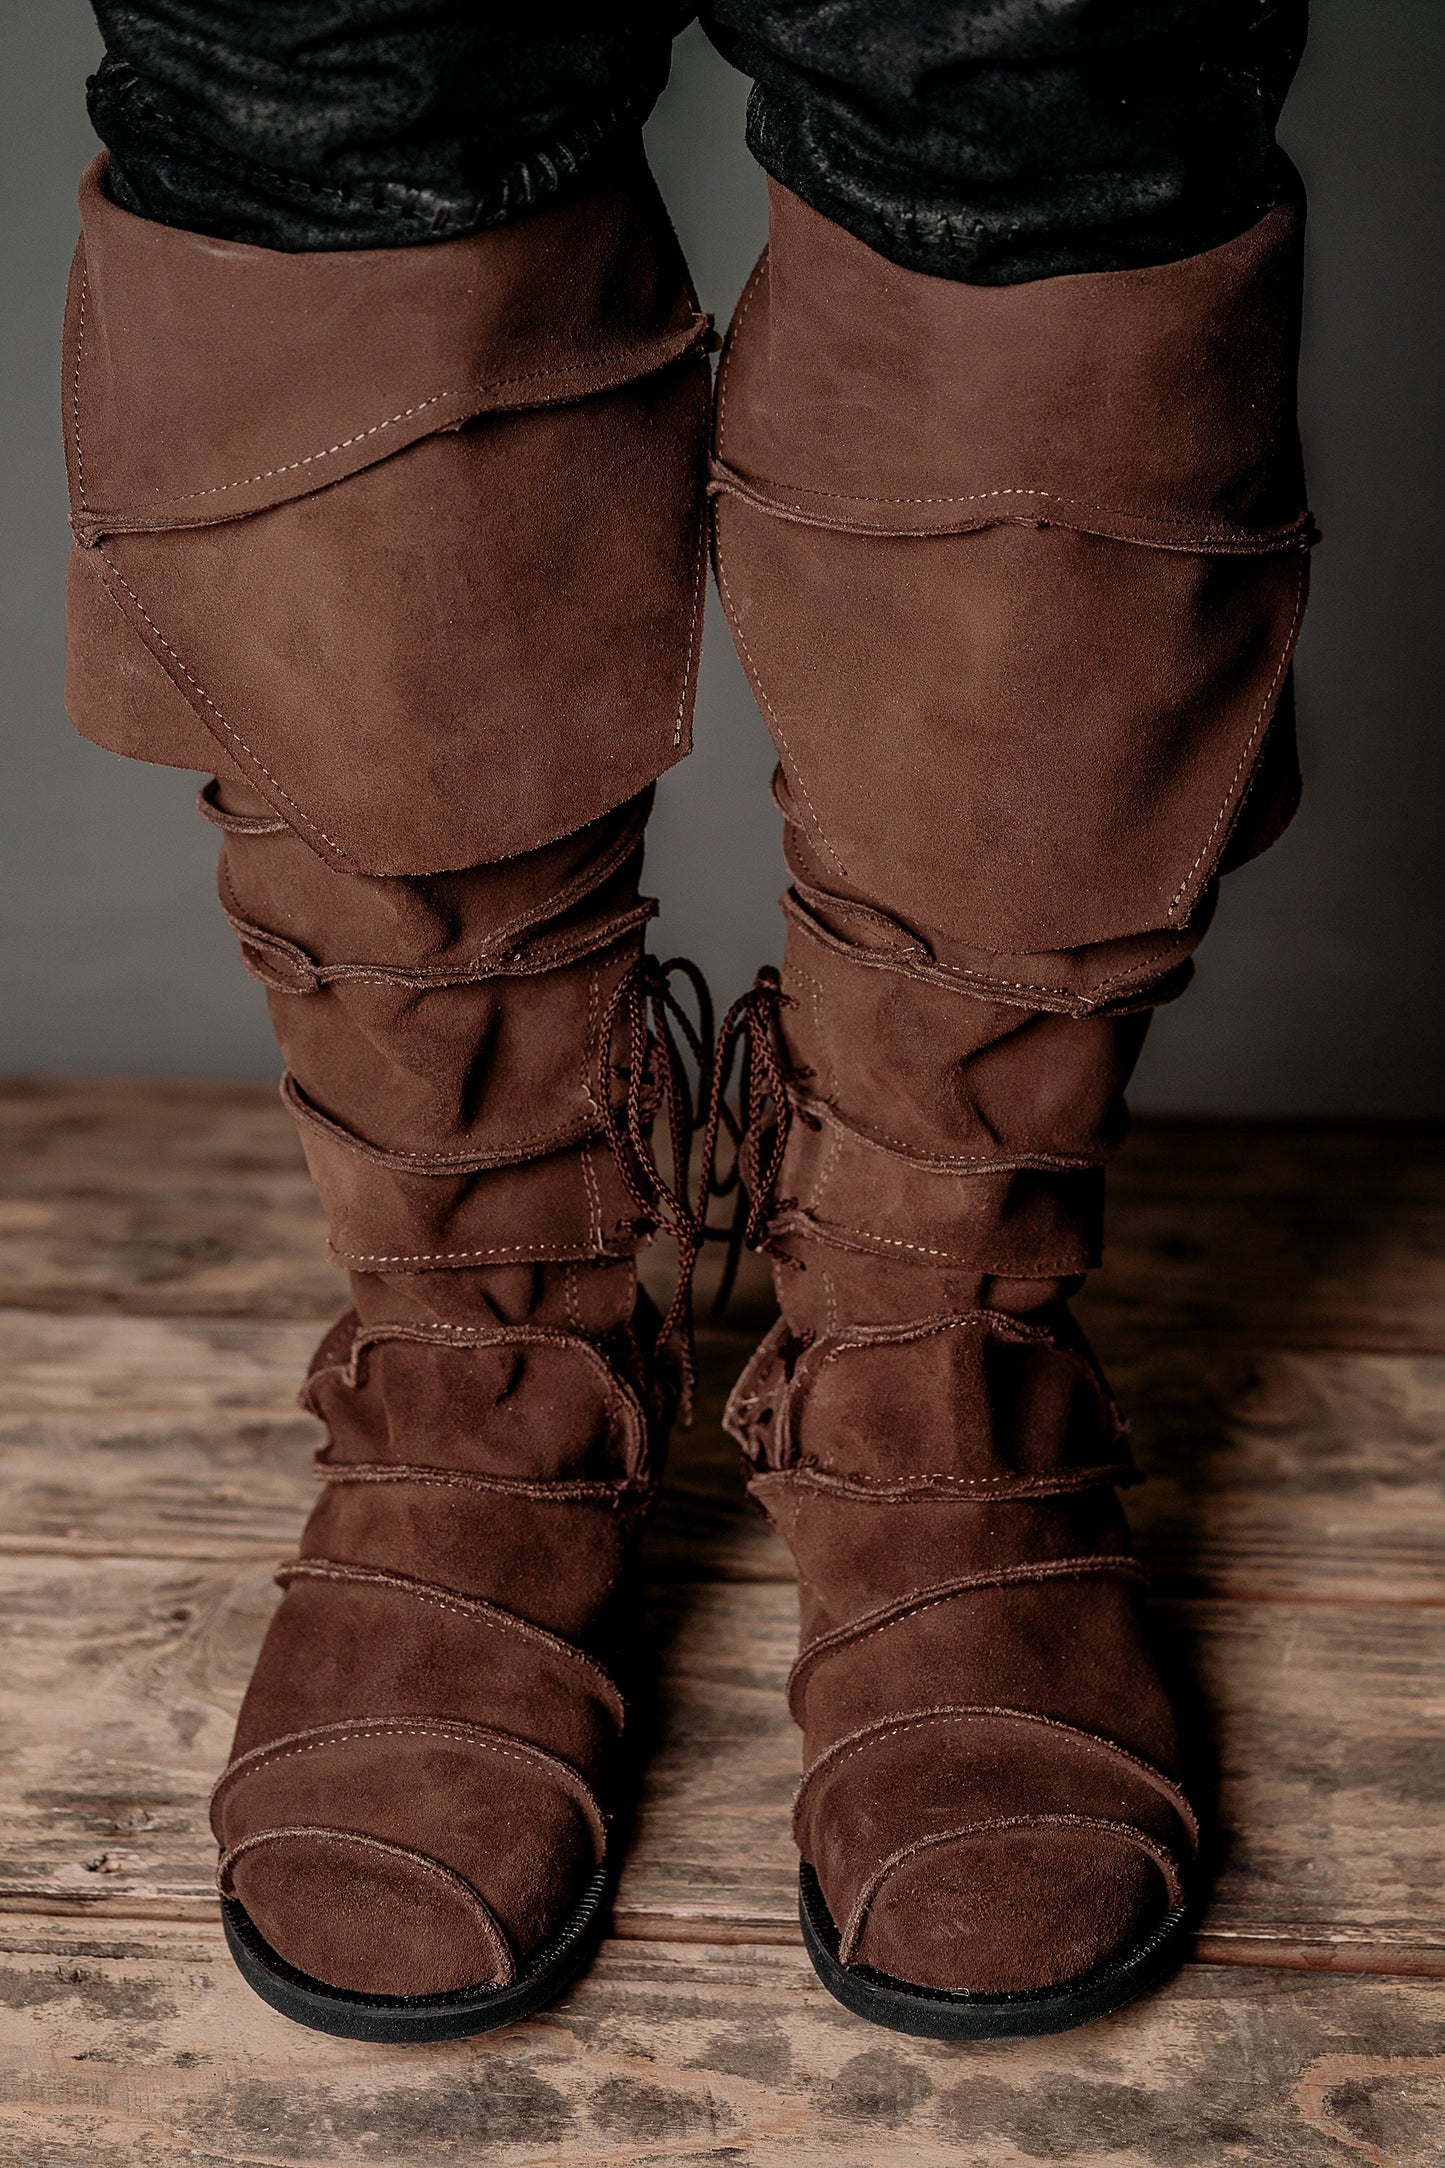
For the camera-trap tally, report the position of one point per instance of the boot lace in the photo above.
(651, 1018)
(759, 1128)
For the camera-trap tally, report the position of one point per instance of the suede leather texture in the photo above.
(427, 1759)
(1016, 575)
(519, 419)
(425, 528)
(427, 1763)
(1065, 773)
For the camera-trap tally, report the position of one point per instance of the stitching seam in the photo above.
(75, 384)
(468, 391)
(915, 963)
(460, 1734)
(841, 1236)
(875, 1734)
(1032, 1574)
(1265, 716)
(749, 293)
(195, 682)
(1163, 1859)
(751, 666)
(699, 582)
(474, 1607)
(758, 492)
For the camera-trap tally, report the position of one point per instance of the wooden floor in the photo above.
(1274, 1314)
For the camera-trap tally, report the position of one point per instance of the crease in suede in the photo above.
(428, 1761)
(271, 427)
(1016, 575)
(442, 1675)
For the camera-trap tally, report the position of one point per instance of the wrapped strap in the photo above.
(409, 539)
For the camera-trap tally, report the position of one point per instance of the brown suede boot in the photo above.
(406, 544)
(1017, 575)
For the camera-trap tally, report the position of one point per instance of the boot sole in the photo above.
(399, 2019)
(935, 2013)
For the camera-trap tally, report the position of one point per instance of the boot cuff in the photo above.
(215, 379)
(1151, 406)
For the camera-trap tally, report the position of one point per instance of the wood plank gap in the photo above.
(714, 1933)
(1371, 1959)
(1364, 1959)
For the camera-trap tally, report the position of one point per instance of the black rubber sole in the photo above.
(932, 2013)
(400, 2019)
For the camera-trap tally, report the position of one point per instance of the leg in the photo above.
(319, 124)
(1022, 138)
(1017, 569)
(404, 544)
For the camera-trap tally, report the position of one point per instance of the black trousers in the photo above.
(984, 140)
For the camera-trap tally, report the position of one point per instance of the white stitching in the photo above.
(462, 1733)
(740, 485)
(662, 346)
(515, 1152)
(759, 493)
(594, 1196)
(750, 665)
(472, 1607)
(699, 586)
(75, 386)
(447, 1875)
(1163, 1859)
(1264, 718)
(587, 1050)
(881, 1490)
(355, 1474)
(220, 718)
(748, 295)
(1031, 1574)
(944, 1163)
(557, 1250)
(873, 1734)
(916, 963)
(837, 1236)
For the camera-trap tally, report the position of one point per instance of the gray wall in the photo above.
(1320, 987)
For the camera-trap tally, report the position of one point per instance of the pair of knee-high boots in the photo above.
(408, 548)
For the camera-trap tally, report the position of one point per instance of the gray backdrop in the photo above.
(1320, 987)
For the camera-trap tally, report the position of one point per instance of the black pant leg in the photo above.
(312, 124)
(1000, 140)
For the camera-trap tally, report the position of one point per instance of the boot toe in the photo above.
(1006, 1911)
(365, 1915)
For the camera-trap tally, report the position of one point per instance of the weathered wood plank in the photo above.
(126, 2050)
(176, 1437)
(152, 1194)
(1282, 1473)
(166, 1196)
(1286, 1234)
(1327, 1727)
(120, 1678)
(181, 1438)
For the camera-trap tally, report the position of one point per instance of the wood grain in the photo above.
(1274, 1315)
(1290, 1472)
(1286, 1234)
(151, 1195)
(142, 2049)
(121, 1678)
(166, 1197)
